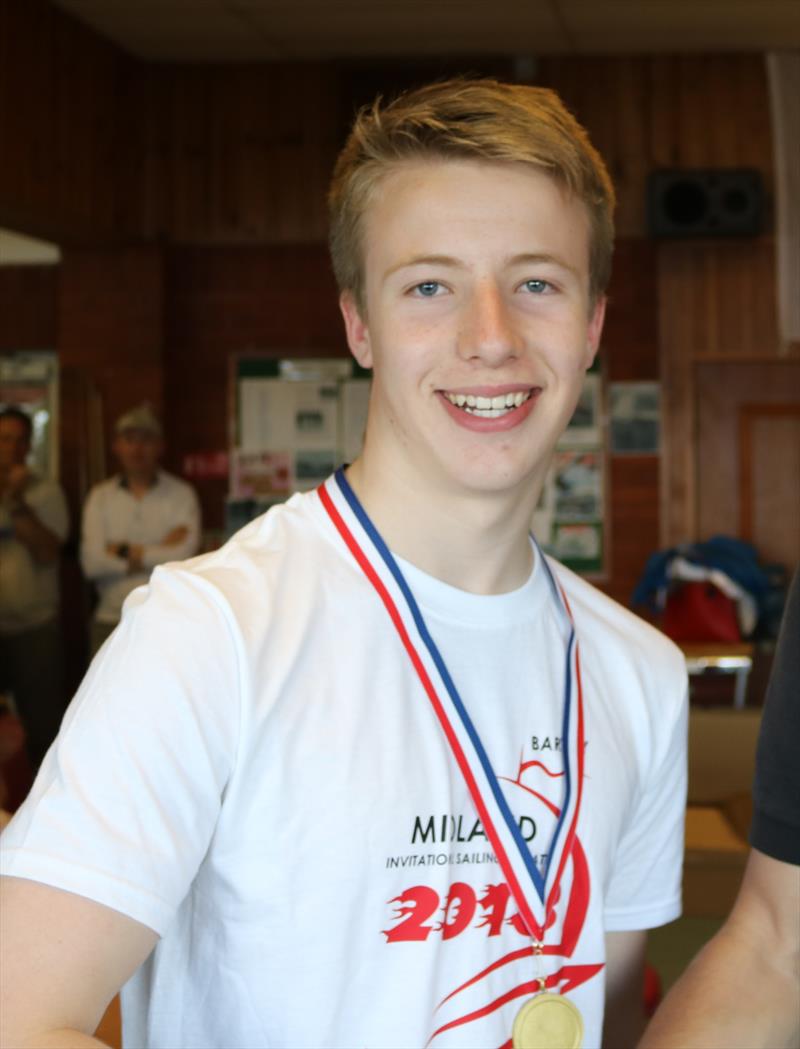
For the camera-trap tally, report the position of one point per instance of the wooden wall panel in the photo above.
(28, 307)
(629, 348)
(722, 391)
(646, 112)
(633, 520)
(226, 301)
(716, 303)
(110, 343)
(244, 154)
(65, 120)
(769, 478)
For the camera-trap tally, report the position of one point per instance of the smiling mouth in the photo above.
(489, 407)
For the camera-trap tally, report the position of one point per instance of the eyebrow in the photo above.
(537, 257)
(425, 260)
(526, 258)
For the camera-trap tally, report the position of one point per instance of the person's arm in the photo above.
(183, 539)
(624, 1006)
(29, 530)
(30, 522)
(96, 560)
(743, 989)
(62, 959)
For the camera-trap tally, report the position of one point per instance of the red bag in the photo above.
(700, 612)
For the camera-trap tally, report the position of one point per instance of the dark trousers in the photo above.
(31, 668)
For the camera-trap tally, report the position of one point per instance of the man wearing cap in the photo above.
(33, 524)
(140, 518)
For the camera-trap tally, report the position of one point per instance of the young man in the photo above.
(140, 518)
(33, 524)
(377, 772)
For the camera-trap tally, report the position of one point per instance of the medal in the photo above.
(548, 1021)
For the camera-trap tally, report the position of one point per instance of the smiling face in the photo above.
(478, 325)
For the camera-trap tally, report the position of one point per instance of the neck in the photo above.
(140, 482)
(477, 542)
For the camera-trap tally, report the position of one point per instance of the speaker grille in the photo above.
(705, 203)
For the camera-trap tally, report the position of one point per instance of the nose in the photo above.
(487, 333)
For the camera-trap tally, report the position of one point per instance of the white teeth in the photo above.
(489, 407)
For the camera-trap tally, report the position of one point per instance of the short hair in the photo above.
(20, 416)
(479, 119)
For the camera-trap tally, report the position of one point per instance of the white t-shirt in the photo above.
(251, 770)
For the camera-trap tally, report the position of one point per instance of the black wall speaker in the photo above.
(705, 203)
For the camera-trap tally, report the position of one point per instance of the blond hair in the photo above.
(466, 119)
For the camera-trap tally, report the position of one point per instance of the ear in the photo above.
(357, 331)
(595, 329)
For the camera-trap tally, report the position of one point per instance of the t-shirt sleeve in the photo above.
(776, 791)
(48, 503)
(645, 887)
(127, 799)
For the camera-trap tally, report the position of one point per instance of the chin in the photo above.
(490, 479)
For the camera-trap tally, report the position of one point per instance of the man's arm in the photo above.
(32, 524)
(97, 560)
(42, 543)
(62, 960)
(183, 539)
(624, 1006)
(743, 988)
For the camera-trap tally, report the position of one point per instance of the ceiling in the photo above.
(293, 30)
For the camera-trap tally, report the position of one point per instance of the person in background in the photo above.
(378, 772)
(140, 518)
(34, 523)
(743, 989)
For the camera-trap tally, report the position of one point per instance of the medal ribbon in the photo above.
(360, 535)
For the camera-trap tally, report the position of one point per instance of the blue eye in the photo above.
(536, 287)
(428, 288)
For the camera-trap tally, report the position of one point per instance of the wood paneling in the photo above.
(240, 154)
(110, 341)
(28, 307)
(728, 492)
(716, 303)
(629, 347)
(769, 478)
(225, 301)
(68, 171)
(684, 111)
(633, 510)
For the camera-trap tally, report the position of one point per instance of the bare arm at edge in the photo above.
(743, 989)
(62, 960)
(624, 1007)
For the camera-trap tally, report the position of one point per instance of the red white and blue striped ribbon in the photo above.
(518, 865)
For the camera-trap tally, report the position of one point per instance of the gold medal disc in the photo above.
(548, 1021)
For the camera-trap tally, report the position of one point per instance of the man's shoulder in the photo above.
(171, 483)
(105, 487)
(42, 487)
(612, 628)
(284, 539)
